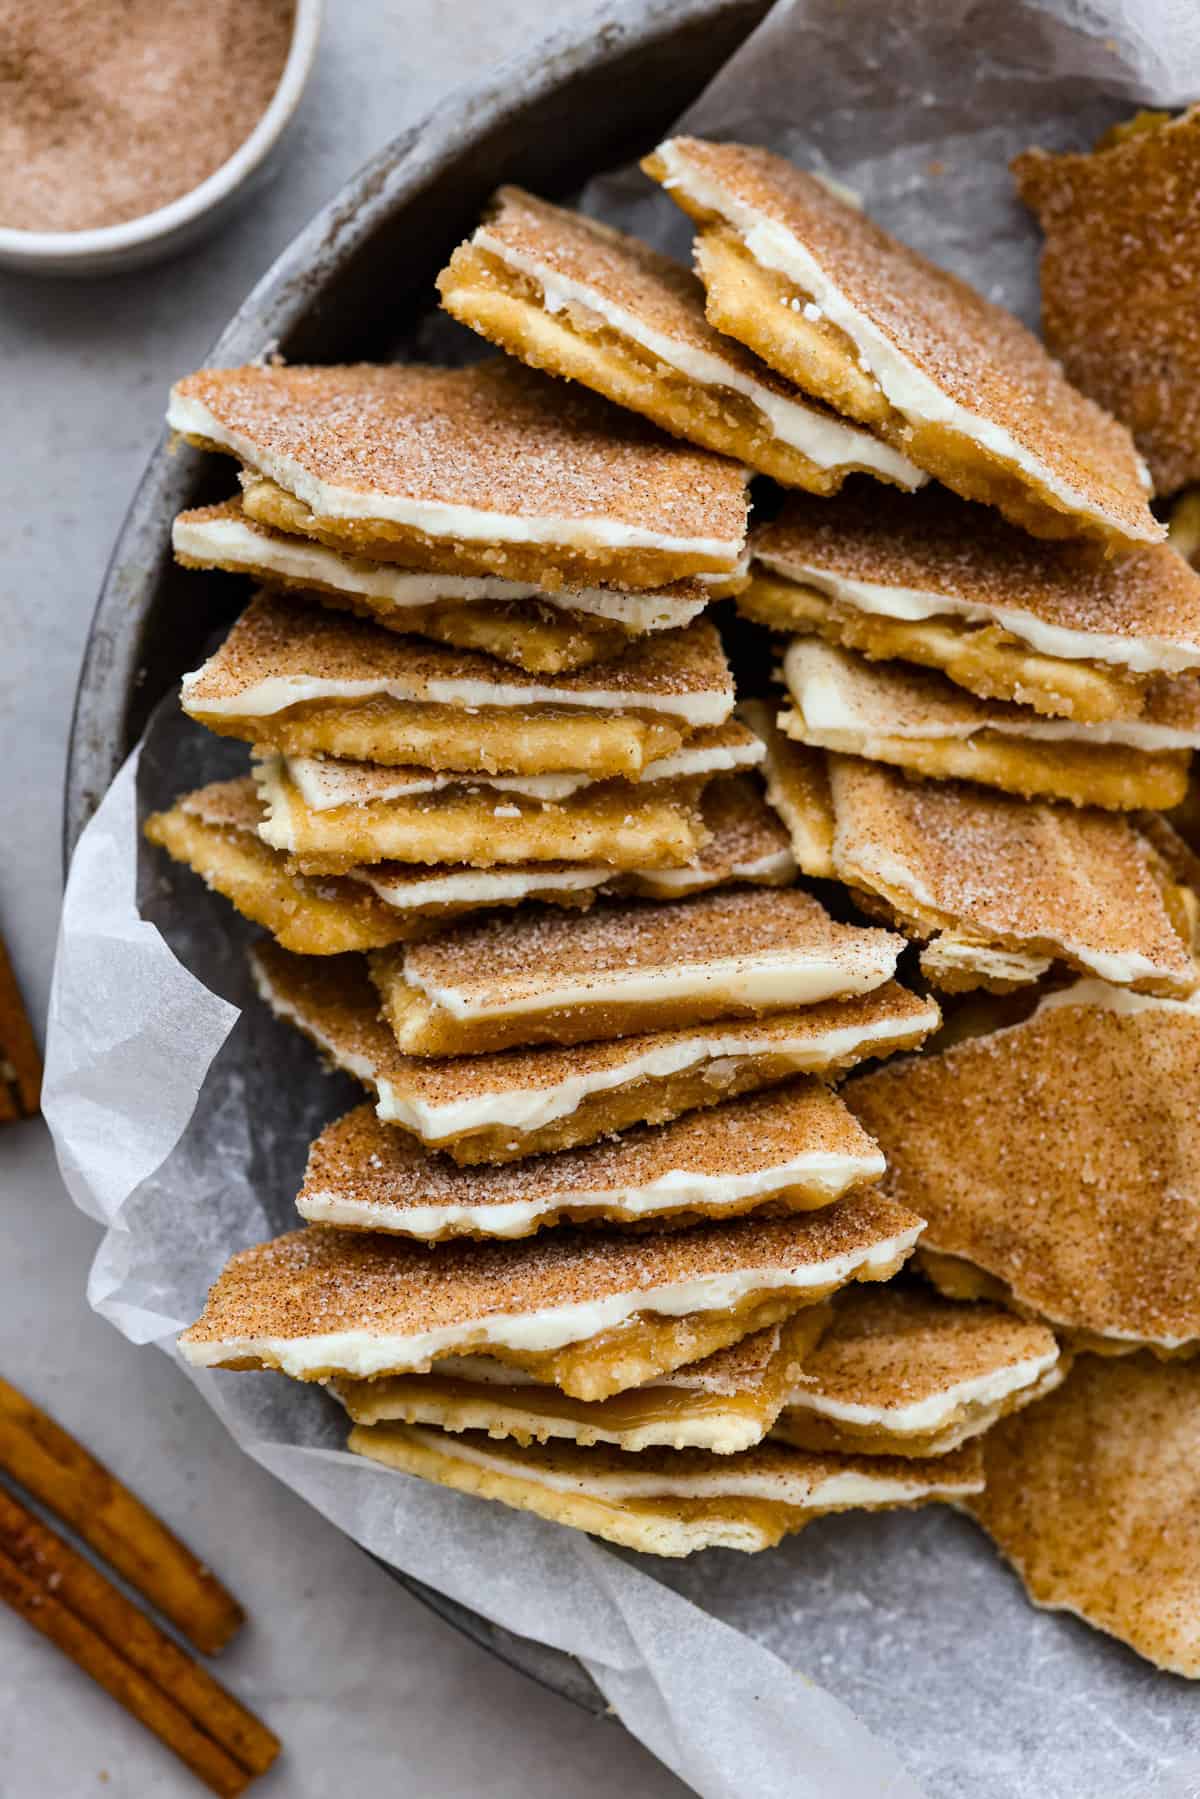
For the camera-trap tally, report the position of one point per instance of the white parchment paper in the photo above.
(182, 1113)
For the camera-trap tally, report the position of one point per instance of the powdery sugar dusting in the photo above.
(314, 1281)
(934, 542)
(362, 1161)
(980, 356)
(1062, 1156)
(535, 951)
(495, 436)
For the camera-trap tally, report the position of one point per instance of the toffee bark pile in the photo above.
(613, 1238)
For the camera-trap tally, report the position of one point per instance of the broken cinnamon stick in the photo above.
(45, 1460)
(20, 1063)
(41, 1556)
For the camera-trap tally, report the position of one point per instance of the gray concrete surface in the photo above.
(369, 1692)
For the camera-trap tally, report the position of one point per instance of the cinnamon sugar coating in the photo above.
(1118, 307)
(531, 952)
(895, 1345)
(1063, 467)
(901, 1370)
(935, 543)
(586, 978)
(982, 657)
(1079, 885)
(663, 1509)
(1062, 1157)
(1094, 1497)
(321, 1283)
(654, 288)
(534, 633)
(364, 1174)
(917, 719)
(494, 440)
(214, 832)
(570, 295)
(338, 1007)
(278, 639)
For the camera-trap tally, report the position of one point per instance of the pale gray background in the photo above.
(369, 1693)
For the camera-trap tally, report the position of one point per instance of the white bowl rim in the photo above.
(132, 233)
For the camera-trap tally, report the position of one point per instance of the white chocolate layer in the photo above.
(823, 437)
(937, 1409)
(303, 559)
(364, 1354)
(532, 1108)
(720, 1481)
(910, 390)
(471, 887)
(819, 1171)
(830, 708)
(439, 519)
(323, 782)
(279, 692)
(1142, 655)
(771, 982)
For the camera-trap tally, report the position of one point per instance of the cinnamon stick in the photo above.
(70, 1482)
(20, 1063)
(41, 1557)
(140, 1697)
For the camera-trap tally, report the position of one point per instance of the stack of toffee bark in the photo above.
(610, 1239)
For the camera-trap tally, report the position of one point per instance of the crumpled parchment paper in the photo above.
(181, 1112)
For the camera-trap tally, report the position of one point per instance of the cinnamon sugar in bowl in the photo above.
(129, 129)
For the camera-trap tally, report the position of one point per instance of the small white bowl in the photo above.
(169, 228)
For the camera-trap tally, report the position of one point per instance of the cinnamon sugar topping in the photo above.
(501, 960)
(411, 1301)
(1094, 1496)
(1061, 1156)
(281, 653)
(796, 1143)
(937, 546)
(1117, 301)
(494, 440)
(945, 357)
(1077, 884)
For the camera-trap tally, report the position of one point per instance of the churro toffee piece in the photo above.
(214, 831)
(613, 823)
(937, 559)
(303, 680)
(745, 847)
(1094, 1498)
(670, 1502)
(797, 271)
(723, 1404)
(901, 1371)
(624, 967)
(517, 621)
(492, 470)
(999, 888)
(325, 783)
(1061, 1157)
(1116, 305)
(795, 1148)
(914, 718)
(494, 1108)
(591, 1311)
(581, 300)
